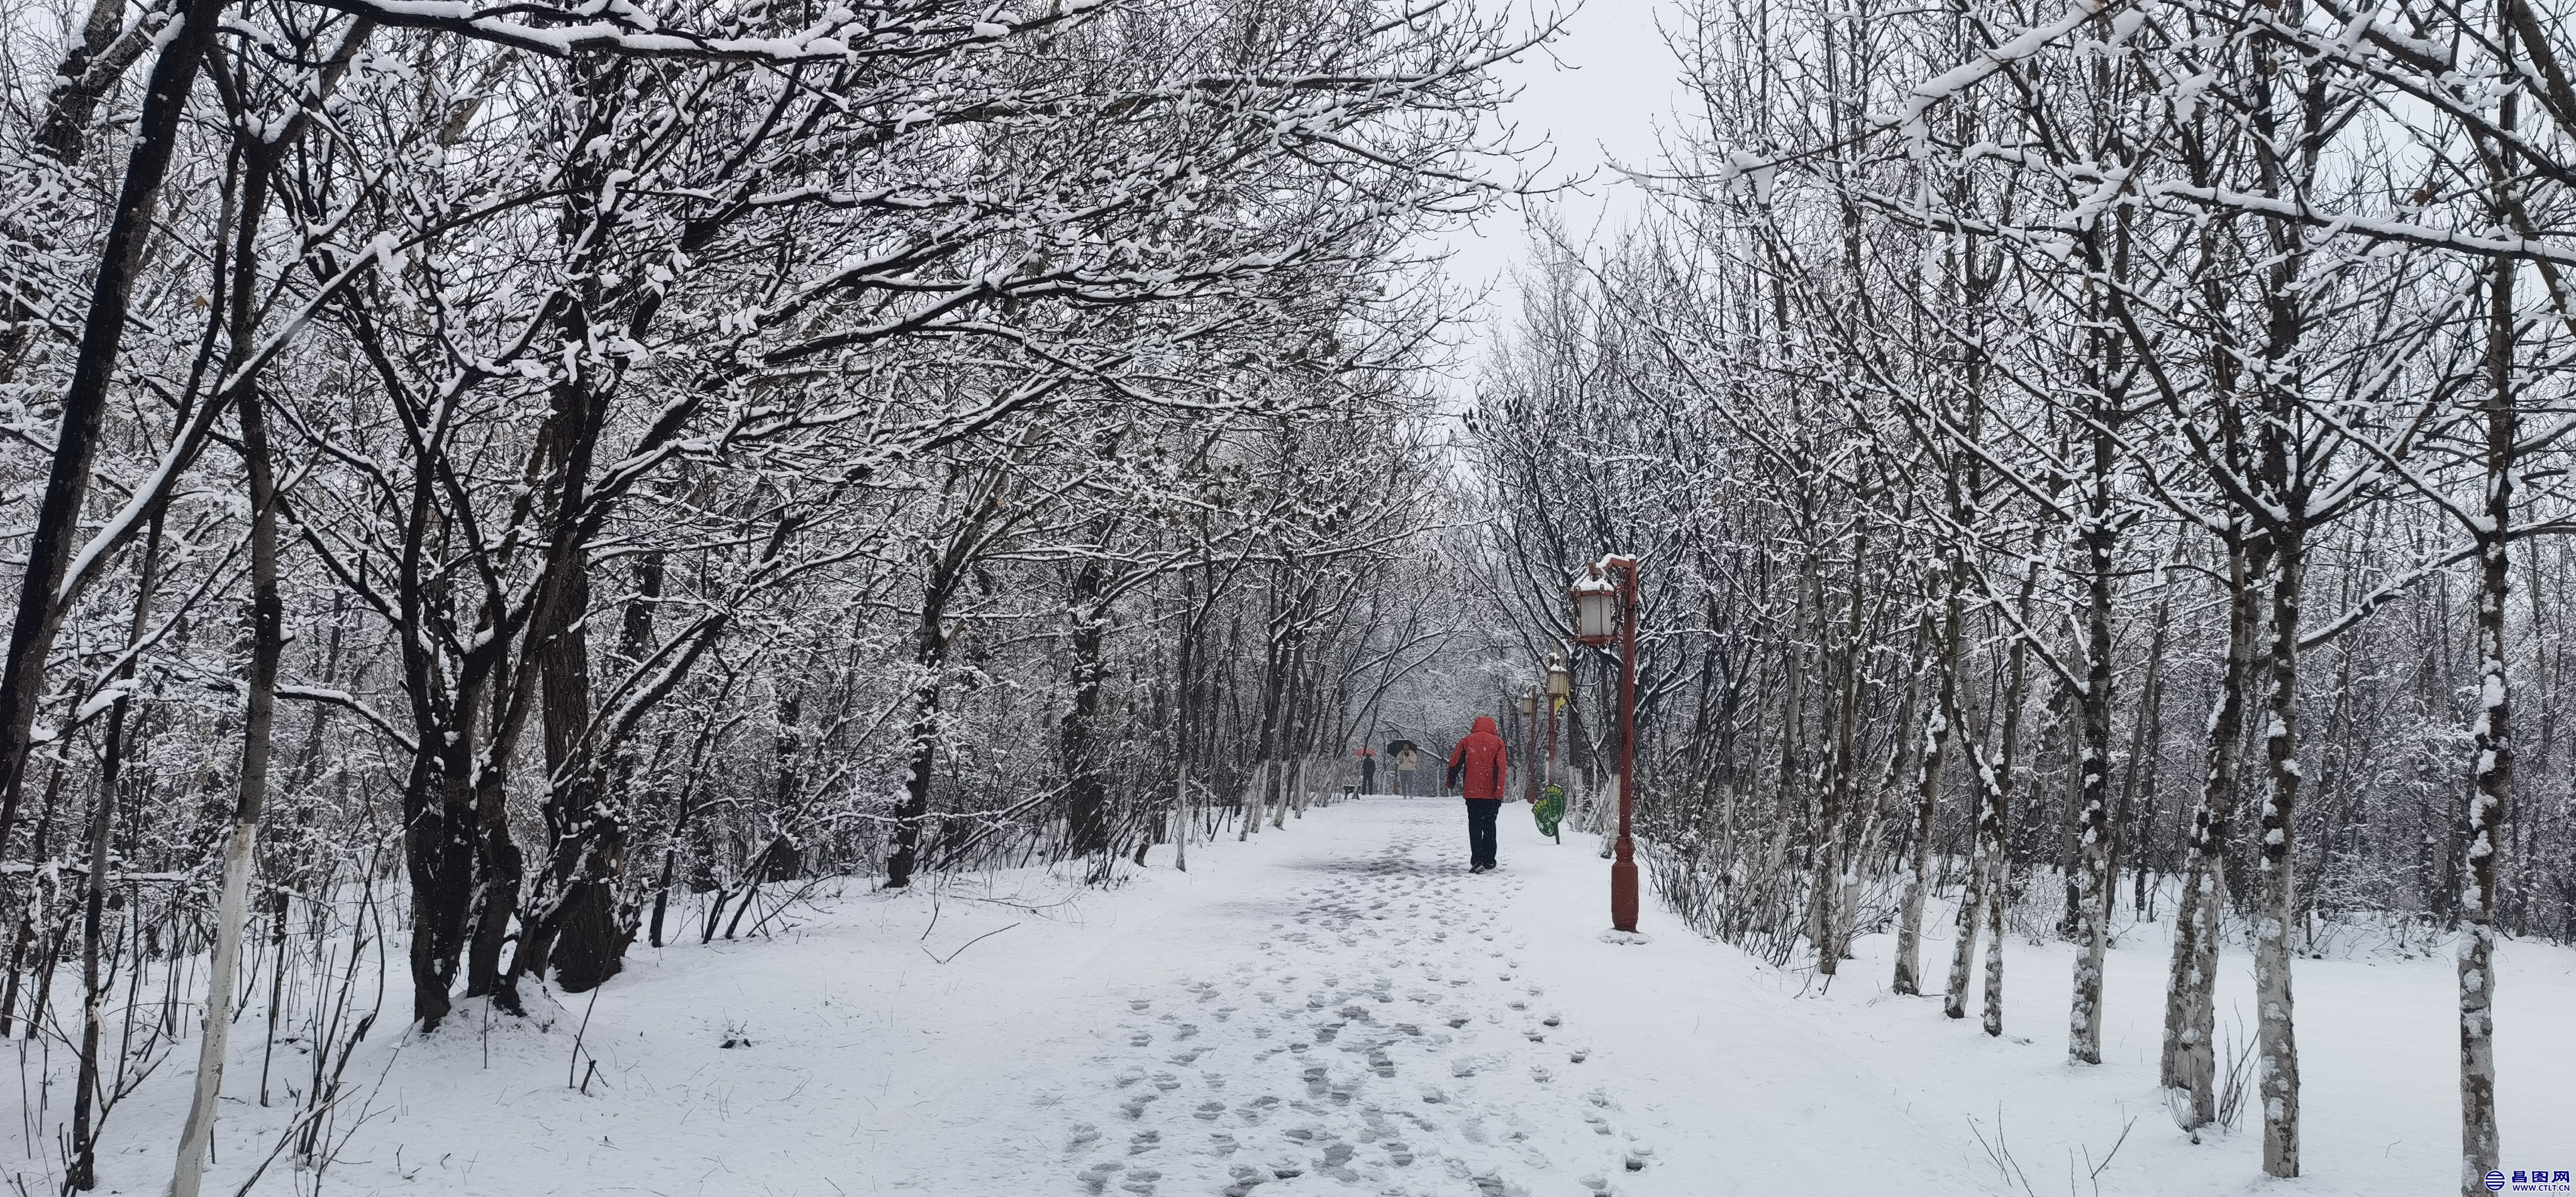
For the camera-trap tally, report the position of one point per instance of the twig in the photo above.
(785, 903)
(2095, 1176)
(2001, 1154)
(1023, 907)
(962, 947)
(575, 1062)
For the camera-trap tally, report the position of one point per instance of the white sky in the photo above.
(1598, 97)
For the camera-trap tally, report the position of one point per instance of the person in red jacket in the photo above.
(1476, 768)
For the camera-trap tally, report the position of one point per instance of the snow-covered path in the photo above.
(1381, 1031)
(1356, 1014)
(1338, 1008)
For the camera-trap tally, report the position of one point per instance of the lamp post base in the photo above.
(1623, 894)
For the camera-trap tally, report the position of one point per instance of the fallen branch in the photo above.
(925, 950)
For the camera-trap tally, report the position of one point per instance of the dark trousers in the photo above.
(1480, 830)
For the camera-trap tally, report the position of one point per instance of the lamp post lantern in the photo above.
(1596, 608)
(1605, 608)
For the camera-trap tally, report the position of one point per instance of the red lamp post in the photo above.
(1529, 739)
(1605, 608)
(1560, 687)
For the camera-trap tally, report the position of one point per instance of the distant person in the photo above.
(1476, 769)
(1368, 775)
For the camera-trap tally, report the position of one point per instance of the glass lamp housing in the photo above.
(1596, 611)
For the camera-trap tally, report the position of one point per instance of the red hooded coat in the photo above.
(1478, 762)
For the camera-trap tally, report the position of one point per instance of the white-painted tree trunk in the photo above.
(232, 910)
(196, 1140)
(1963, 944)
(1254, 795)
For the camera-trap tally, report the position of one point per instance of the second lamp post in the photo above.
(1605, 609)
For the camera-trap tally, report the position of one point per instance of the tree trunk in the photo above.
(1825, 881)
(96, 63)
(1998, 888)
(2093, 834)
(2130, 825)
(2278, 1074)
(268, 645)
(1937, 728)
(577, 927)
(2492, 770)
(51, 540)
(499, 867)
(1254, 795)
(930, 657)
(1988, 880)
(921, 761)
(1181, 816)
(1873, 829)
(1985, 848)
(2191, 1021)
(87, 1102)
(1774, 887)
(1086, 791)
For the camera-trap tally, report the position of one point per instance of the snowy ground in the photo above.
(1340, 1009)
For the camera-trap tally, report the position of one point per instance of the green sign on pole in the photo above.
(1550, 808)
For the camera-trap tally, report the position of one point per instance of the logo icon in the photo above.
(2495, 1182)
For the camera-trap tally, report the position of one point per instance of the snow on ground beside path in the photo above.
(1340, 1009)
